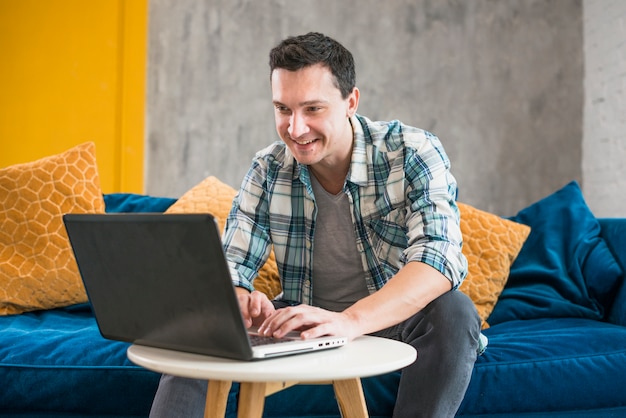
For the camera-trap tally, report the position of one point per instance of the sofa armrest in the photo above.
(614, 233)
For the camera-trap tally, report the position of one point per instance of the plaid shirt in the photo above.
(402, 197)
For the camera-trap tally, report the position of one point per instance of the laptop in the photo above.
(162, 280)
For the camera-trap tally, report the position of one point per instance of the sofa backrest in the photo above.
(614, 233)
(131, 202)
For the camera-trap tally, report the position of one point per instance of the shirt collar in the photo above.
(358, 165)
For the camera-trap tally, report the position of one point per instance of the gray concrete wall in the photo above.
(604, 140)
(500, 82)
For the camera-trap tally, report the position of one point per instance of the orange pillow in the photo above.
(490, 244)
(37, 266)
(214, 197)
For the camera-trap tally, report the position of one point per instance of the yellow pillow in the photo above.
(214, 197)
(490, 244)
(37, 266)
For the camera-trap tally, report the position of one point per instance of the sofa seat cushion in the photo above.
(47, 353)
(562, 364)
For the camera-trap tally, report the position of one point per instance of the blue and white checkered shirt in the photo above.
(402, 197)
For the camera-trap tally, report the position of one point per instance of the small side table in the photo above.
(342, 367)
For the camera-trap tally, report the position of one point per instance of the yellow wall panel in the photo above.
(74, 71)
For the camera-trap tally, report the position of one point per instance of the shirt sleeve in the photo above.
(247, 242)
(433, 222)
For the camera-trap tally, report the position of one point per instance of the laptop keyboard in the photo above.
(256, 339)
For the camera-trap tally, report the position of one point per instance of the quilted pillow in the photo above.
(565, 269)
(37, 266)
(490, 244)
(214, 197)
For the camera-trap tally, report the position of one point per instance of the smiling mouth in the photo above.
(307, 142)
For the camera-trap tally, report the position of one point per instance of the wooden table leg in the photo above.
(350, 398)
(216, 398)
(251, 399)
(349, 394)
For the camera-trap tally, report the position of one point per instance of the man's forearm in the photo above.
(409, 291)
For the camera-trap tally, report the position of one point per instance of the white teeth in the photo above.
(304, 142)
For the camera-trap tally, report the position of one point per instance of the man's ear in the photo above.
(353, 102)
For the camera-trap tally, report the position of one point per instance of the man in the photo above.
(364, 225)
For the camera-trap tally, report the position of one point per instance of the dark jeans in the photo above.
(445, 334)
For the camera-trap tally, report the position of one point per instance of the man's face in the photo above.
(311, 116)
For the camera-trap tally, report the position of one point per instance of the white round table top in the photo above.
(363, 357)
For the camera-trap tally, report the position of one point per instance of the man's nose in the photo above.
(297, 126)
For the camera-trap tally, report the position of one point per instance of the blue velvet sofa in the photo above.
(557, 338)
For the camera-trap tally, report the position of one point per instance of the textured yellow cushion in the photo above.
(214, 197)
(37, 266)
(490, 244)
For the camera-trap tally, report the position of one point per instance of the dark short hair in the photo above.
(297, 52)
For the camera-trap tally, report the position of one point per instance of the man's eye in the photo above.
(282, 109)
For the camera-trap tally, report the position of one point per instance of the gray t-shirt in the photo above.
(338, 278)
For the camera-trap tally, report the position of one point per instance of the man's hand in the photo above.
(255, 307)
(313, 322)
(408, 292)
